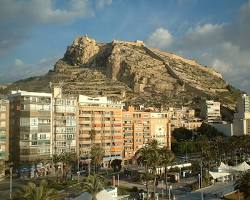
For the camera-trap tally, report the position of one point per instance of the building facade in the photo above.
(30, 126)
(4, 130)
(140, 127)
(241, 122)
(136, 131)
(210, 111)
(160, 129)
(65, 135)
(100, 122)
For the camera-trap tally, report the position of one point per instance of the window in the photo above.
(42, 136)
(2, 124)
(2, 116)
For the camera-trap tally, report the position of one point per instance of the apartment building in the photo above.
(241, 122)
(140, 127)
(4, 130)
(64, 122)
(136, 131)
(210, 111)
(183, 117)
(30, 126)
(100, 122)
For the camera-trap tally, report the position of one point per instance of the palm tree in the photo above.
(68, 159)
(243, 184)
(166, 158)
(34, 192)
(154, 159)
(56, 160)
(142, 156)
(96, 154)
(147, 177)
(149, 156)
(93, 184)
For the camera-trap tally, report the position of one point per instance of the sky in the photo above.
(34, 34)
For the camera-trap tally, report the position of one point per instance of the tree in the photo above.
(116, 164)
(34, 192)
(56, 160)
(209, 131)
(149, 157)
(96, 154)
(147, 177)
(93, 184)
(2, 168)
(166, 158)
(243, 184)
(68, 159)
(182, 134)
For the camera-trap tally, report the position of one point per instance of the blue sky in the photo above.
(35, 33)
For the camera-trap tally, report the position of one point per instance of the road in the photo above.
(209, 193)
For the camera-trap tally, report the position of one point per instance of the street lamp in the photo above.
(201, 175)
(199, 179)
(11, 168)
(169, 191)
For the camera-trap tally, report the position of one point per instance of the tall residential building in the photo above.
(136, 131)
(210, 111)
(241, 122)
(64, 122)
(100, 122)
(141, 127)
(4, 130)
(30, 126)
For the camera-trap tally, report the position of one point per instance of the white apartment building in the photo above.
(241, 120)
(64, 122)
(210, 111)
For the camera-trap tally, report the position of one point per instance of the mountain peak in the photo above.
(136, 74)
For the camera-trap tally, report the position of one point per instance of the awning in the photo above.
(216, 175)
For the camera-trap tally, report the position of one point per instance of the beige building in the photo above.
(192, 124)
(140, 127)
(4, 130)
(210, 111)
(241, 122)
(64, 122)
(183, 117)
(100, 122)
(30, 126)
(136, 131)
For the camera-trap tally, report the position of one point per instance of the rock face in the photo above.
(134, 73)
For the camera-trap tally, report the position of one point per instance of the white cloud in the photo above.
(36, 11)
(101, 3)
(160, 38)
(225, 47)
(18, 62)
(18, 18)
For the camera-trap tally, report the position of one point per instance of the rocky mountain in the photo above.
(133, 73)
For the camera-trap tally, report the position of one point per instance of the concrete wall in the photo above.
(226, 129)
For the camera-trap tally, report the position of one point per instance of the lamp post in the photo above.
(11, 168)
(169, 192)
(199, 179)
(201, 174)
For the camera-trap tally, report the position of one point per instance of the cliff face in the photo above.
(134, 73)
